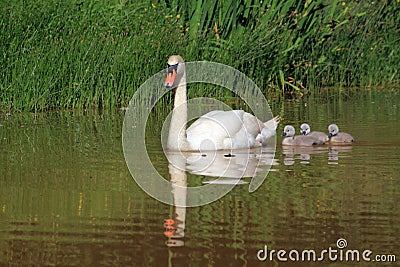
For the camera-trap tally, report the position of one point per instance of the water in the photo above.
(68, 199)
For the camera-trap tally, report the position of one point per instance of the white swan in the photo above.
(216, 130)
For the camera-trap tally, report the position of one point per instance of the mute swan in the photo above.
(298, 140)
(306, 130)
(336, 137)
(216, 130)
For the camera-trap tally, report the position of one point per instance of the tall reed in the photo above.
(80, 54)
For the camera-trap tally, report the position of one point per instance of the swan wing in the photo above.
(217, 126)
(272, 123)
(229, 122)
(228, 129)
(252, 124)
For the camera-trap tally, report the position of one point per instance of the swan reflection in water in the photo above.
(175, 226)
(227, 168)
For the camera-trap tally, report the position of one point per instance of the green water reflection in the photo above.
(67, 197)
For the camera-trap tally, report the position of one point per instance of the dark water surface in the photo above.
(68, 199)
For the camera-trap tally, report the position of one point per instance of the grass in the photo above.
(81, 54)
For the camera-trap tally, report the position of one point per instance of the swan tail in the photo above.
(272, 123)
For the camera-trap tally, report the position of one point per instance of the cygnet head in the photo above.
(288, 131)
(333, 130)
(305, 129)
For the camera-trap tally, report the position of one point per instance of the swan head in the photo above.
(175, 68)
(305, 129)
(288, 131)
(333, 130)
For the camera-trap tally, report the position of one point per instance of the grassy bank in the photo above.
(73, 54)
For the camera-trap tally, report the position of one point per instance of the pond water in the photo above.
(68, 199)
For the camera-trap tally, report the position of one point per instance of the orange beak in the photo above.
(170, 78)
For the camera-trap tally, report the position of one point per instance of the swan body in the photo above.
(298, 140)
(306, 130)
(339, 138)
(215, 130)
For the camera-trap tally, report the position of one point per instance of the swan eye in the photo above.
(172, 67)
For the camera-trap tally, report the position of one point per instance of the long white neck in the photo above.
(177, 129)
